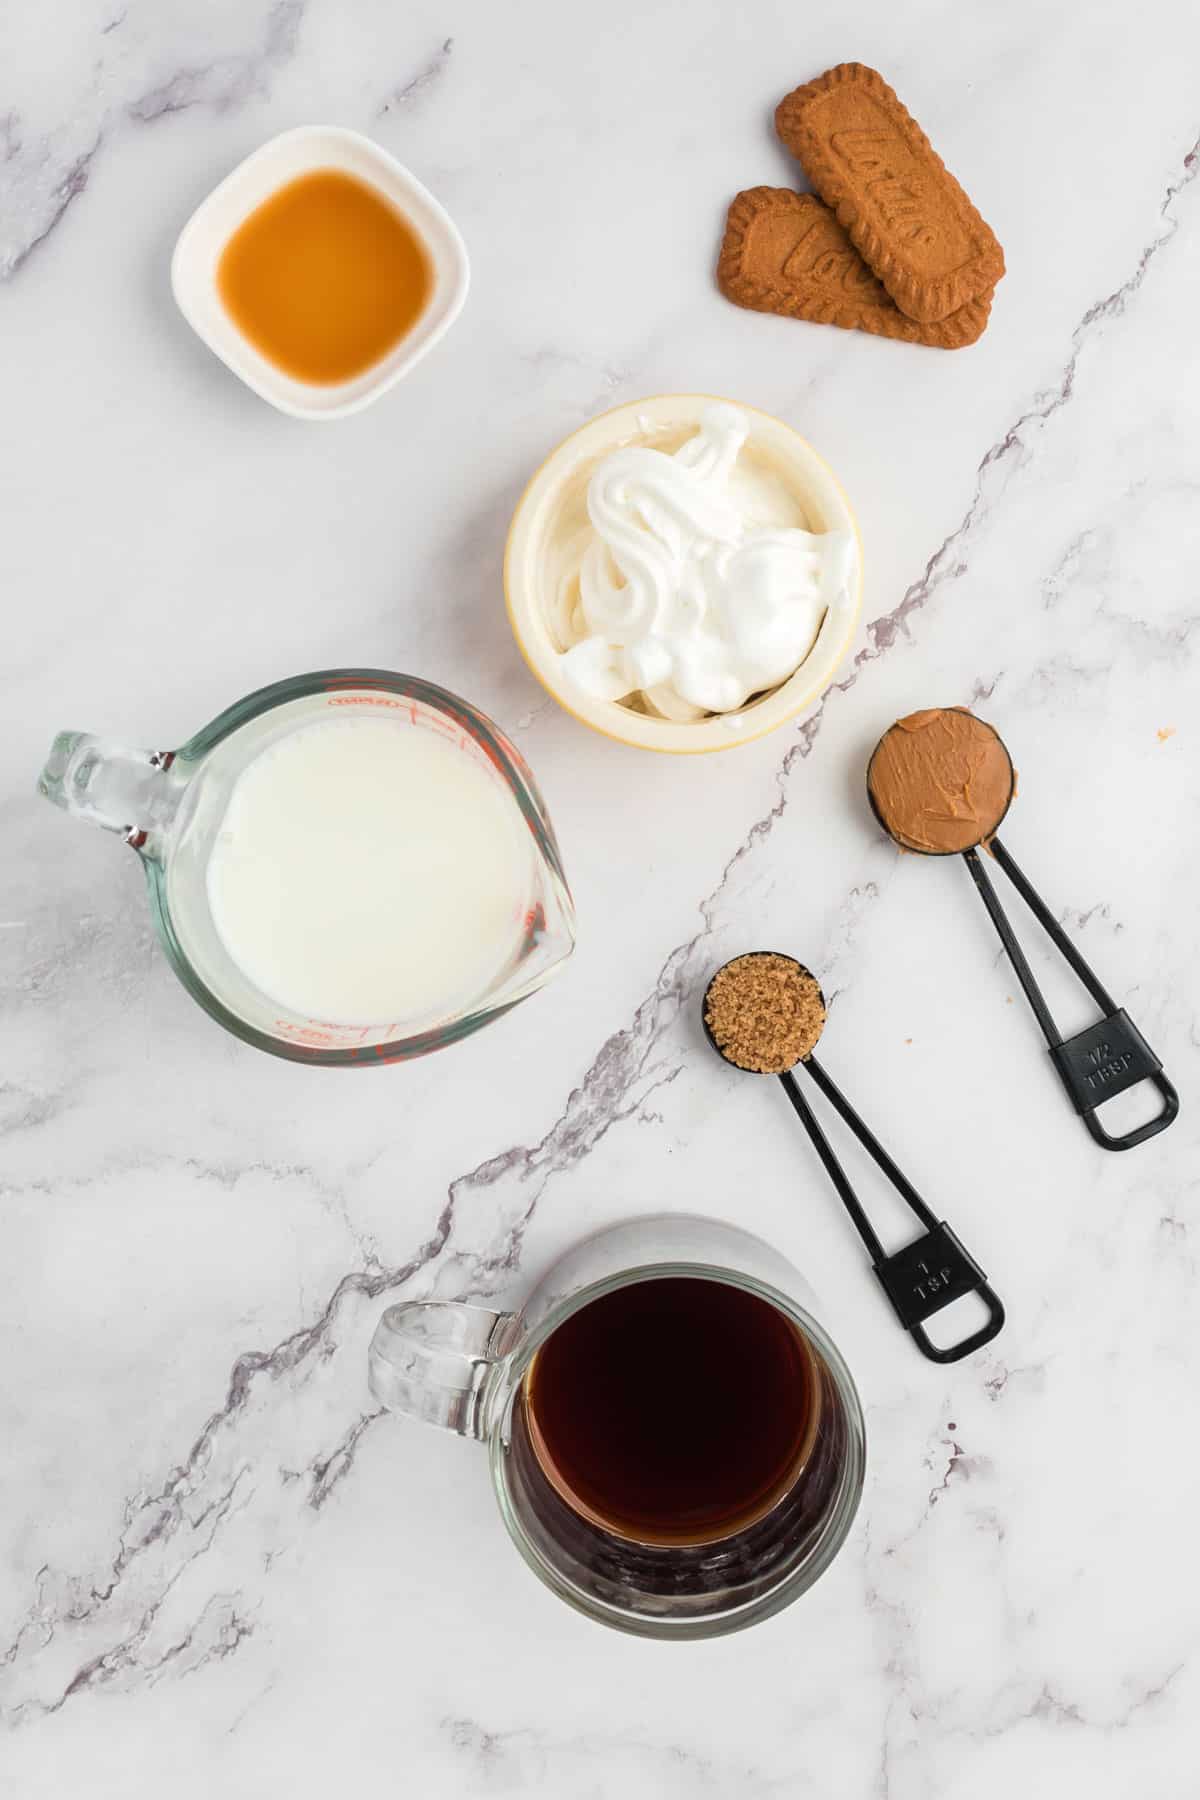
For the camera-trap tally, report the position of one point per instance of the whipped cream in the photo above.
(692, 592)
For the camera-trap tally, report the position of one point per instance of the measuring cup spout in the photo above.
(126, 791)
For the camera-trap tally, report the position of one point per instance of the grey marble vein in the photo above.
(948, 563)
(68, 187)
(420, 84)
(51, 172)
(326, 1471)
(1046, 1704)
(122, 1660)
(230, 80)
(216, 1634)
(960, 1465)
(506, 1759)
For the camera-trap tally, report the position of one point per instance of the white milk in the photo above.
(367, 870)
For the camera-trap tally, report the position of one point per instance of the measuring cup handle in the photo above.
(431, 1359)
(107, 785)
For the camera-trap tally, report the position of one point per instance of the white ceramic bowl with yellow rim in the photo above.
(551, 515)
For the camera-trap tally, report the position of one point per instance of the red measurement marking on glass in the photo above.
(428, 719)
(305, 1034)
(322, 1034)
(365, 700)
(437, 722)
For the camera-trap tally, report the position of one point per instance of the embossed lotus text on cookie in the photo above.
(786, 253)
(870, 161)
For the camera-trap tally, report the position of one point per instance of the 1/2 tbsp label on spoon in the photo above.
(1106, 1065)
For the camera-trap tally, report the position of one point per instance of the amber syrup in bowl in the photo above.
(320, 271)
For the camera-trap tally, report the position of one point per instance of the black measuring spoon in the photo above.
(1105, 1058)
(926, 1275)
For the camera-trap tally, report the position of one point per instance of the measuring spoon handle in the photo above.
(1104, 1059)
(924, 1276)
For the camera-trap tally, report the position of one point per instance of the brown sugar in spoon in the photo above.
(940, 782)
(764, 1013)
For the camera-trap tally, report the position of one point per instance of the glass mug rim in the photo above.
(641, 1276)
(181, 766)
(510, 1374)
(461, 1365)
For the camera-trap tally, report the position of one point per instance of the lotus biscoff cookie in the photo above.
(870, 161)
(786, 253)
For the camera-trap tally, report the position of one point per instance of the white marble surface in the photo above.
(218, 1572)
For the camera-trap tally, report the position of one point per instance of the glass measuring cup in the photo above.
(464, 1367)
(169, 805)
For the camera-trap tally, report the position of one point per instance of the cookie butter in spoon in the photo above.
(940, 782)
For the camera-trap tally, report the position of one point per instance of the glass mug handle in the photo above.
(107, 785)
(431, 1359)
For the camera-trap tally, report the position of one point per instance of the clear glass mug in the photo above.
(463, 1367)
(168, 805)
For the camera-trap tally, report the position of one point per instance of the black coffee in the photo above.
(676, 1410)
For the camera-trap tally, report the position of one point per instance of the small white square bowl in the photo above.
(204, 237)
